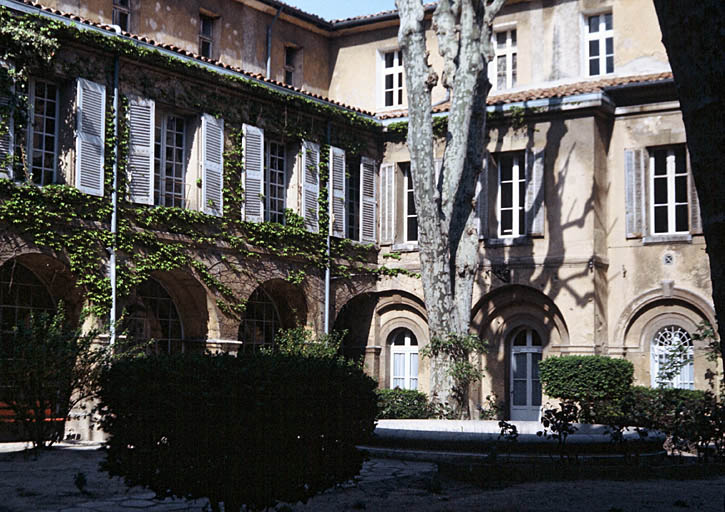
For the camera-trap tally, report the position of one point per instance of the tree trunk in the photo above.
(448, 236)
(693, 35)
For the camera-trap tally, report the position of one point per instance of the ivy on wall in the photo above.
(155, 239)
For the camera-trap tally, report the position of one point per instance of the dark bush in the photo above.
(253, 430)
(591, 381)
(403, 404)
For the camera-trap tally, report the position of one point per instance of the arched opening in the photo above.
(153, 315)
(356, 318)
(672, 358)
(403, 359)
(21, 294)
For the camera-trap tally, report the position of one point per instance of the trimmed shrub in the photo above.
(403, 404)
(596, 383)
(253, 430)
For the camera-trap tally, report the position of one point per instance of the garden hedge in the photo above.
(253, 430)
(403, 404)
(582, 378)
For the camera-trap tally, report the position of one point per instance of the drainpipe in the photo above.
(114, 200)
(329, 233)
(269, 41)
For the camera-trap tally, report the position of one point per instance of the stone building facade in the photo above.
(237, 110)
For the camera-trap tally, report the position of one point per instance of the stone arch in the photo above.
(650, 312)
(282, 302)
(356, 317)
(498, 316)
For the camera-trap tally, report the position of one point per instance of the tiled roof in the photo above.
(558, 91)
(372, 17)
(181, 51)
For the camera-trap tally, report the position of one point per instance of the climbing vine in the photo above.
(76, 225)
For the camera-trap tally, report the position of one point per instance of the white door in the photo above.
(525, 383)
(404, 360)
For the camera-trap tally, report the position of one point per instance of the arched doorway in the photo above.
(21, 294)
(153, 315)
(261, 321)
(525, 385)
(403, 359)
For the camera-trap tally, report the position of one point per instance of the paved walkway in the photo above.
(45, 483)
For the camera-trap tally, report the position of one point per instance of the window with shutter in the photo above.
(387, 203)
(7, 125)
(410, 214)
(310, 184)
(353, 201)
(368, 200)
(141, 150)
(337, 192)
(90, 119)
(512, 194)
(170, 160)
(534, 192)
(276, 182)
(253, 173)
(213, 164)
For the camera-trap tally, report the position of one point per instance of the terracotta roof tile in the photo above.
(181, 51)
(559, 91)
(371, 17)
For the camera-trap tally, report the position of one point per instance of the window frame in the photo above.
(159, 188)
(600, 36)
(117, 11)
(31, 131)
(206, 38)
(406, 350)
(508, 53)
(659, 350)
(398, 74)
(408, 191)
(517, 177)
(290, 51)
(353, 202)
(268, 213)
(671, 177)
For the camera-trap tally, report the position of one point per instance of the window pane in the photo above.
(608, 21)
(412, 229)
(660, 163)
(536, 392)
(389, 59)
(519, 392)
(519, 366)
(594, 48)
(680, 163)
(513, 70)
(660, 190)
(501, 39)
(520, 339)
(536, 341)
(501, 72)
(506, 163)
(681, 218)
(661, 219)
(681, 189)
(506, 195)
(594, 67)
(398, 365)
(610, 45)
(506, 222)
(388, 81)
(593, 24)
(414, 366)
(610, 65)
(513, 37)
(388, 98)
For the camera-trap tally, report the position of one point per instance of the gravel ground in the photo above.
(45, 483)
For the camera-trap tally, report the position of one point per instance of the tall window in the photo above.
(672, 358)
(153, 316)
(669, 184)
(290, 59)
(511, 194)
(43, 131)
(353, 202)
(122, 14)
(411, 215)
(526, 349)
(21, 293)
(206, 33)
(261, 321)
(170, 161)
(276, 182)
(403, 360)
(600, 44)
(504, 64)
(393, 78)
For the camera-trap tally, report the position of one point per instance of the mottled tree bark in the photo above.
(448, 236)
(694, 35)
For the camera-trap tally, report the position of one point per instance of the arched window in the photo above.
(21, 293)
(672, 358)
(261, 320)
(153, 315)
(403, 359)
(526, 349)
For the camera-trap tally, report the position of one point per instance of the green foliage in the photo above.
(586, 379)
(403, 404)
(457, 349)
(46, 367)
(250, 430)
(301, 342)
(559, 423)
(493, 409)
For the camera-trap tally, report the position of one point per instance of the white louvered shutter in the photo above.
(337, 192)
(482, 194)
(141, 150)
(212, 151)
(695, 219)
(634, 172)
(253, 173)
(368, 200)
(7, 135)
(534, 203)
(387, 203)
(90, 126)
(310, 185)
